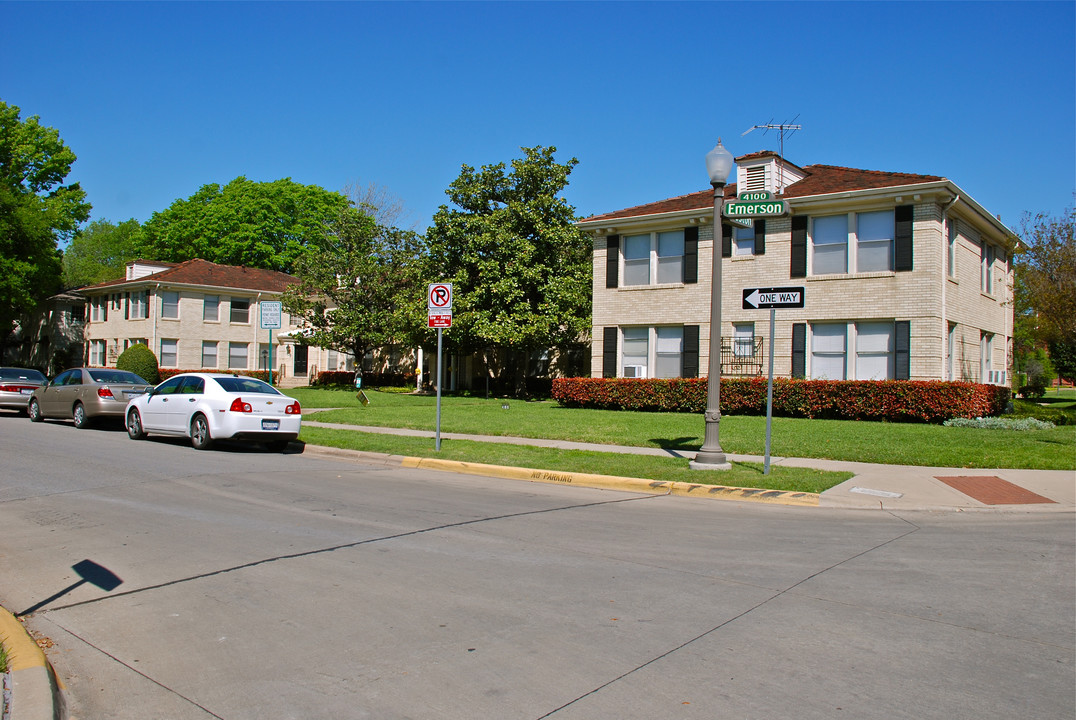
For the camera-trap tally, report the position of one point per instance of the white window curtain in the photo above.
(874, 351)
(671, 257)
(829, 245)
(875, 231)
(670, 348)
(637, 260)
(636, 350)
(828, 345)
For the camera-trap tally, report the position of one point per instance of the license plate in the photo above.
(270, 424)
(24, 391)
(133, 393)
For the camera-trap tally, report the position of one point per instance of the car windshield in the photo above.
(245, 385)
(21, 374)
(116, 376)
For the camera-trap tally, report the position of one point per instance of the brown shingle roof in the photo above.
(203, 272)
(820, 180)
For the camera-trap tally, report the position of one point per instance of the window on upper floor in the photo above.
(829, 245)
(99, 309)
(240, 311)
(743, 240)
(874, 241)
(170, 304)
(862, 242)
(654, 258)
(951, 230)
(211, 308)
(987, 259)
(137, 306)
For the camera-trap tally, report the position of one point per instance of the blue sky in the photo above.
(158, 99)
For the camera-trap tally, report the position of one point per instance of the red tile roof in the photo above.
(820, 180)
(203, 272)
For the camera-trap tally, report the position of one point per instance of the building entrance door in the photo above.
(300, 360)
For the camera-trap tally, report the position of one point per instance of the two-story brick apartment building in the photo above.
(905, 277)
(198, 314)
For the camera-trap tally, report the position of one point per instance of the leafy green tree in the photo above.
(355, 282)
(257, 224)
(519, 266)
(37, 211)
(100, 251)
(1045, 299)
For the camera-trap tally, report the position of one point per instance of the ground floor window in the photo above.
(97, 353)
(865, 350)
(209, 354)
(169, 353)
(237, 355)
(829, 342)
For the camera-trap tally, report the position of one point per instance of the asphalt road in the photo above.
(258, 585)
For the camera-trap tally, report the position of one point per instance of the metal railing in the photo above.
(741, 356)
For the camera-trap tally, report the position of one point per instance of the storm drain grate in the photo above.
(992, 490)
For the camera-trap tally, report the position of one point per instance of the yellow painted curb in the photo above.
(22, 652)
(609, 482)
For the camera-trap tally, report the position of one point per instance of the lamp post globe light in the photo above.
(711, 456)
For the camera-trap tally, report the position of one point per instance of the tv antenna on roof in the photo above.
(781, 127)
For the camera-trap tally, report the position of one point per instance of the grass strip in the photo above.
(600, 463)
(876, 442)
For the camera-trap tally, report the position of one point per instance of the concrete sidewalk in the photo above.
(874, 486)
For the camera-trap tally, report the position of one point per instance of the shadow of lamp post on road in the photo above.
(91, 573)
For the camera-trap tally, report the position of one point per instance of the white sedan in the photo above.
(211, 406)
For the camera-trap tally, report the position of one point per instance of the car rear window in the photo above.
(21, 374)
(116, 376)
(245, 385)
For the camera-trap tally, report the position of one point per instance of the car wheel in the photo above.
(134, 426)
(277, 446)
(200, 438)
(34, 411)
(79, 416)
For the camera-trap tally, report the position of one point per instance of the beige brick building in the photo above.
(904, 277)
(200, 315)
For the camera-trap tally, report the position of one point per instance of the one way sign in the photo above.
(763, 298)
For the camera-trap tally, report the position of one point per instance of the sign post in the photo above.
(772, 298)
(439, 305)
(270, 320)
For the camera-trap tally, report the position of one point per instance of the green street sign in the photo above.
(765, 208)
(755, 196)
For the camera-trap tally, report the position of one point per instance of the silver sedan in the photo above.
(16, 386)
(81, 394)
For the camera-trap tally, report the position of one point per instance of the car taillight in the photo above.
(239, 406)
(104, 392)
(293, 409)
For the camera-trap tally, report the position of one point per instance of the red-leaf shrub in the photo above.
(890, 400)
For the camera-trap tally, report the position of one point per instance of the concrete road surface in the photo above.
(258, 585)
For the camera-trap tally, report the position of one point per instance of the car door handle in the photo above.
(190, 399)
(164, 399)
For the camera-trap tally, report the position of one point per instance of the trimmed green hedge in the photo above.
(347, 377)
(890, 400)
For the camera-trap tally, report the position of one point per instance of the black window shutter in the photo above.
(903, 350)
(726, 240)
(612, 260)
(609, 337)
(760, 236)
(799, 350)
(689, 363)
(127, 306)
(691, 254)
(799, 247)
(903, 238)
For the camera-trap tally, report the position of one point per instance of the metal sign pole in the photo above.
(769, 397)
(437, 443)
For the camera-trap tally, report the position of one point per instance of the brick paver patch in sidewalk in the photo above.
(992, 490)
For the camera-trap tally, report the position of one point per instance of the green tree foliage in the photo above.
(519, 266)
(100, 251)
(1045, 292)
(256, 224)
(140, 360)
(356, 281)
(37, 212)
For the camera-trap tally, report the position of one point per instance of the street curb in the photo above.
(557, 477)
(612, 482)
(36, 692)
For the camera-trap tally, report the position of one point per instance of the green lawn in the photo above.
(894, 443)
(599, 463)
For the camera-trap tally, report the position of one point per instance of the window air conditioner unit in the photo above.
(634, 371)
